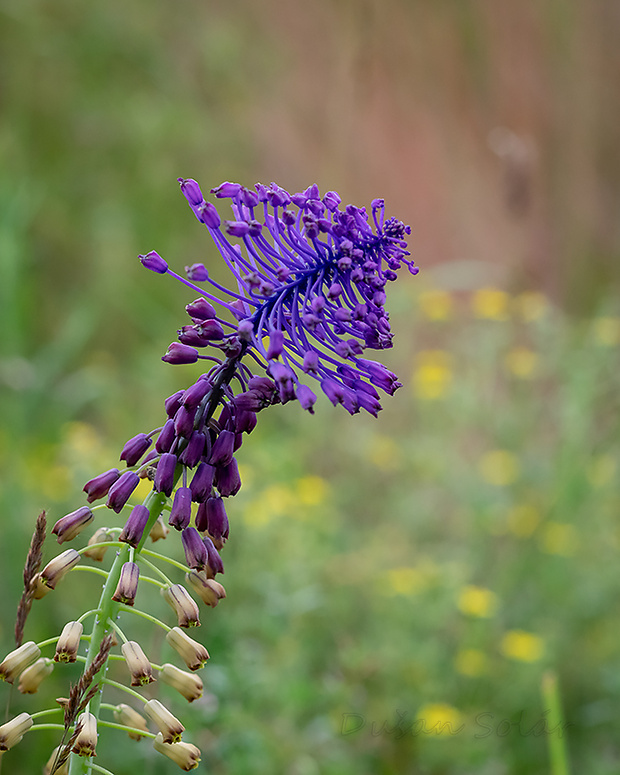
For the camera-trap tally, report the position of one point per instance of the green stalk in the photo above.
(558, 753)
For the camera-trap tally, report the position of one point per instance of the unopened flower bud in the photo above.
(164, 478)
(57, 568)
(121, 490)
(135, 448)
(159, 530)
(137, 663)
(195, 550)
(13, 731)
(134, 527)
(86, 740)
(129, 717)
(127, 586)
(201, 309)
(201, 483)
(50, 767)
(214, 561)
(100, 536)
(169, 726)
(68, 527)
(208, 590)
(181, 511)
(188, 684)
(98, 487)
(31, 678)
(222, 452)
(18, 660)
(227, 479)
(185, 755)
(217, 521)
(180, 353)
(69, 642)
(154, 262)
(179, 600)
(194, 654)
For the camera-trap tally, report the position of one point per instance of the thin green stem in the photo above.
(122, 687)
(150, 618)
(154, 568)
(163, 558)
(124, 728)
(558, 753)
(97, 545)
(118, 631)
(88, 613)
(88, 569)
(48, 641)
(99, 768)
(48, 712)
(46, 726)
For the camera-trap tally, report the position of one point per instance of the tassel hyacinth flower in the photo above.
(306, 306)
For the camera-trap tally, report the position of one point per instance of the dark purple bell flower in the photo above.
(154, 262)
(191, 191)
(195, 550)
(173, 402)
(164, 476)
(192, 453)
(184, 421)
(121, 490)
(180, 353)
(214, 561)
(127, 586)
(135, 448)
(223, 448)
(217, 520)
(200, 309)
(227, 479)
(197, 273)
(194, 394)
(134, 527)
(98, 487)
(201, 482)
(166, 437)
(181, 511)
(70, 526)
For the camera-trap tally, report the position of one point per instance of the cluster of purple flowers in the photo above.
(310, 299)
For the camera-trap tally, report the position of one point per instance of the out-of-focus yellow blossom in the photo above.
(523, 519)
(477, 601)
(270, 504)
(499, 467)
(531, 305)
(436, 305)
(410, 580)
(82, 439)
(440, 719)
(142, 490)
(490, 304)
(383, 452)
(559, 538)
(311, 490)
(472, 662)
(432, 375)
(522, 646)
(606, 330)
(601, 470)
(522, 362)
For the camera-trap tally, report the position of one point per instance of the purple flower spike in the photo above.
(195, 550)
(68, 527)
(134, 527)
(222, 451)
(227, 479)
(217, 521)
(200, 310)
(214, 561)
(194, 394)
(121, 490)
(191, 191)
(173, 402)
(197, 273)
(98, 487)
(181, 511)
(180, 353)
(166, 437)
(164, 477)
(135, 448)
(193, 451)
(201, 483)
(306, 398)
(184, 422)
(154, 262)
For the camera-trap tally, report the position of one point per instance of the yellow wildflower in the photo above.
(522, 646)
(499, 467)
(477, 601)
(470, 662)
(436, 305)
(607, 330)
(491, 304)
(601, 470)
(522, 362)
(523, 519)
(559, 538)
(311, 490)
(383, 452)
(432, 375)
(440, 719)
(531, 305)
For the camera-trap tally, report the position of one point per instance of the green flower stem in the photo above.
(99, 768)
(150, 618)
(153, 581)
(48, 641)
(46, 726)
(49, 712)
(163, 558)
(155, 569)
(118, 631)
(87, 614)
(122, 687)
(154, 502)
(124, 728)
(96, 546)
(88, 569)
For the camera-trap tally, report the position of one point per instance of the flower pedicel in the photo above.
(310, 283)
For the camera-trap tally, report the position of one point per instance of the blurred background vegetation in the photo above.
(434, 564)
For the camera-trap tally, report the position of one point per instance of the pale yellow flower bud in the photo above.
(101, 535)
(18, 660)
(31, 678)
(169, 726)
(178, 598)
(207, 589)
(159, 530)
(194, 654)
(86, 740)
(47, 770)
(138, 664)
(126, 715)
(57, 568)
(69, 642)
(188, 684)
(13, 731)
(186, 755)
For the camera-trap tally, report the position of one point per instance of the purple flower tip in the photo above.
(154, 262)
(197, 273)
(180, 353)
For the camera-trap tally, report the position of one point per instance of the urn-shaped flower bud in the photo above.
(135, 448)
(18, 660)
(227, 479)
(178, 598)
(208, 590)
(200, 309)
(31, 678)
(134, 527)
(154, 262)
(100, 536)
(169, 726)
(194, 450)
(50, 767)
(13, 731)
(68, 527)
(98, 487)
(195, 550)
(180, 353)
(214, 561)
(222, 451)
(188, 684)
(181, 511)
(69, 642)
(127, 586)
(217, 521)
(121, 490)
(126, 715)
(159, 530)
(164, 478)
(137, 663)
(185, 755)
(201, 483)
(194, 654)
(86, 740)
(57, 568)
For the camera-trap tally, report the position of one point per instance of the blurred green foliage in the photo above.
(430, 565)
